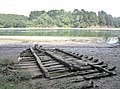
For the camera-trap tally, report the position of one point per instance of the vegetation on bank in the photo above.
(60, 18)
(10, 79)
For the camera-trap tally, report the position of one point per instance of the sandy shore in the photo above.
(109, 53)
(51, 39)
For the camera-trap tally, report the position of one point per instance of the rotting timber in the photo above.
(54, 63)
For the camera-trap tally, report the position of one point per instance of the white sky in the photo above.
(24, 7)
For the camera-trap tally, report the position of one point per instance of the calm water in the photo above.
(60, 32)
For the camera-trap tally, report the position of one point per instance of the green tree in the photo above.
(109, 20)
(101, 17)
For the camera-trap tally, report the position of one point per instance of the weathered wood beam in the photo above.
(24, 64)
(51, 64)
(96, 76)
(101, 69)
(58, 71)
(92, 71)
(87, 67)
(44, 70)
(26, 67)
(46, 60)
(99, 63)
(73, 55)
(56, 66)
(65, 75)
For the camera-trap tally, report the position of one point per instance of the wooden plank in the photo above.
(27, 57)
(25, 64)
(99, 63)
(26, 60)
(48, 62)
(51, 64)
(96, 76)
(22, 67)
(87, 67)
(92, 71)
(44, 70)
(56, 66)
(56, 69)
(26, 67)
(64, 75)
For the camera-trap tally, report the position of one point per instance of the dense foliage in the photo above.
(60, 18)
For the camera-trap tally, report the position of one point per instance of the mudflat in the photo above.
(109, 53)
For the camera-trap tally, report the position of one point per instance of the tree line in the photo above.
(60, 18)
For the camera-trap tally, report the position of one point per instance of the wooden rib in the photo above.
(101, 69)
(46, 60)
(56, 69)
(25, 64)
(96, 76)
(51, 61)
(51, 64)
(93, 71)
(73, 55)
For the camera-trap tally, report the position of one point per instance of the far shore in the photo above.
(93, 28)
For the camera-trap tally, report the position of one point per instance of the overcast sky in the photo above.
(24, 7)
